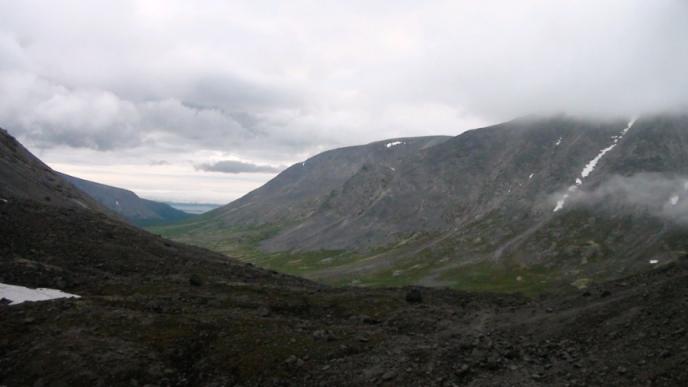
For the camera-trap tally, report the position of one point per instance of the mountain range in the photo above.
(530, 204)
(144, 310)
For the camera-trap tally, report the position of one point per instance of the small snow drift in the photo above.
(560, 203)
(394, 143)
(18, 294)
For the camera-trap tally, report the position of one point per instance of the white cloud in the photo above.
(275, 82)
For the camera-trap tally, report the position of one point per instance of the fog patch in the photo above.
(655, 193)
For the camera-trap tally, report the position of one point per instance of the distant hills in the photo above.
(527, 204)
(127, 204)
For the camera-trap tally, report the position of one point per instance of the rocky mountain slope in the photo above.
(302, 189)
(127, 204)
(565, 200)
(24, 176)
(156, 312)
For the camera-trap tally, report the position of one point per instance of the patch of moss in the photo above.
(491, 277)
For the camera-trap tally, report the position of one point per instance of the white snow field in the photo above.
(18, 294)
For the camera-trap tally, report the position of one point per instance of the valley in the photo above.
(339, 194)
(493, 209)
(150, 310)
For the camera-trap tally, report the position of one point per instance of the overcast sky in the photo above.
(205, 100)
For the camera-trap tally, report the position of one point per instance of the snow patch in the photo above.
(18, 294)
(394, 143)
(6, 201)
(587, 170)
(531, 176)
(561, 202)
(590, 166)
(673, 200)
(558, 142)
(654, 261)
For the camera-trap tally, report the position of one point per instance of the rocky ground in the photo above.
(154, 312)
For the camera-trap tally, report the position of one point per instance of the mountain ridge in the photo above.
(302, 186)
(127, 204)
(26, 177)
(485, 196)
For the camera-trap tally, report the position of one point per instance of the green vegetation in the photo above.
(502, 278)
(418, 259)
(239, 242)
(243, 243)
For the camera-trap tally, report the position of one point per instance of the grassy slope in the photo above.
(243, 243)
(555, 256)
(415, 261)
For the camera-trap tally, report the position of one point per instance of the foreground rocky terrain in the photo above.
(156, 312)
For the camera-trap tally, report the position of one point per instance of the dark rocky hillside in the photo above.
(24, 176)
(303, 188)
(127, 204)
(156, 312)
(567, 200)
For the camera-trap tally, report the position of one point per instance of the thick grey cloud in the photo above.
(275, 82)
(234, 166)
(274, 78)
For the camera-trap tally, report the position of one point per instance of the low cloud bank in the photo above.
(233, 166)
(661, 195)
